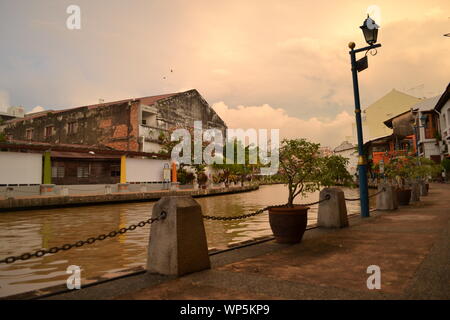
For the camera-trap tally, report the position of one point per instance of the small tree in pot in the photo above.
(399, 170)
(305, 171)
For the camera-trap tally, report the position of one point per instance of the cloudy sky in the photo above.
(262, 64)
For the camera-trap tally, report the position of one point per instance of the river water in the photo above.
(27, 231)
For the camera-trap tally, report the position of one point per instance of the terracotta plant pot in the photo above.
(288, 224)
(403, 196)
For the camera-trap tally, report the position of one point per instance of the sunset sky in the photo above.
(262, 64)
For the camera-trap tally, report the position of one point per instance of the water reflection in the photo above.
(32, 230)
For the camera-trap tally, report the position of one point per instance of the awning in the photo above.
(82, 155)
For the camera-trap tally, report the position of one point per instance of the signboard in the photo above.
(362, 64)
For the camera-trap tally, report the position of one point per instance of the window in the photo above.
(29, 134)
(83, 172)
(430, 128)
(49, 131)
(57, 172)
(115, 171)
(71, 127)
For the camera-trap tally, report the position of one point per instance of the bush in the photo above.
(202, 178)
(446, 164)
(185, 177)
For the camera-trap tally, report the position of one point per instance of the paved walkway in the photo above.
(410, 245)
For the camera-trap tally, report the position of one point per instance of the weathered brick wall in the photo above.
(116, 125)
(95, 126)
(183, 109)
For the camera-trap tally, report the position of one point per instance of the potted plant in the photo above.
(399, 170)
(304, 172)
(202, 178)
(185, 178)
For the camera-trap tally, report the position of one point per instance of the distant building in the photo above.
(348, 150)
(127, 125)
(427, 129)
(22, 164)
(388, 106)
(12, 113)
(442, 107)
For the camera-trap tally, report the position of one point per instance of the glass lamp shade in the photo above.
(370, 31)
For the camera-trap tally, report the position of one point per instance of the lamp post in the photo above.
(370, 31)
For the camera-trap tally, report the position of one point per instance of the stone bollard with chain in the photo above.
(332, 213)
(423, 188)
(415, 192)
(177, 245)
(386, 200)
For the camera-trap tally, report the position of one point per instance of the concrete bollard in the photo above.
(177, 244)
(386, 200)
(423, 188)
(415, 192)
(108, 189)
(332, 212)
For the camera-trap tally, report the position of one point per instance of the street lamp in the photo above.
(370, 31)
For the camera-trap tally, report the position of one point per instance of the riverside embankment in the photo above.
(56, 201)
(411, 247)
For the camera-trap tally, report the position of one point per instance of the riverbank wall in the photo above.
(58, 201)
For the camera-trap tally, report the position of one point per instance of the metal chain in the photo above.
(78, 244)
(327, 197)
(244, 216)
(371, 196)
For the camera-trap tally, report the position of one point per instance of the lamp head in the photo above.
(370, 30)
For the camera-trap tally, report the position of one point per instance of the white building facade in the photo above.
(443, 109)
(349, 151)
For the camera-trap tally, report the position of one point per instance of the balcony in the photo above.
(386, 156)
(150, 133)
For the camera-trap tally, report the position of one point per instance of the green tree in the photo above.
(300, 166)
(335, 171)
(306, 171)
(2, 134)
(446, 165)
